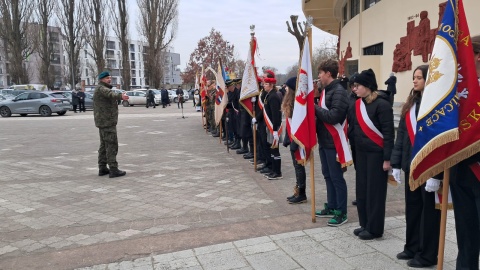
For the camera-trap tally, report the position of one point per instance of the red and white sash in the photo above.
(411, 123)
(339, 136)
(366, 124)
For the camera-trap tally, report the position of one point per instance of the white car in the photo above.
(137, 98)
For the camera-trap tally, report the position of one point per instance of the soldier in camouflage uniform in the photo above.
(105, 112)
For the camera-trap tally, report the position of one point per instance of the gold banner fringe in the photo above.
(440, 167)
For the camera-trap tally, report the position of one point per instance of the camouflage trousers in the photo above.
(211, 117)
(107, 153)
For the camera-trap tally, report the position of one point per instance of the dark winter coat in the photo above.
(391, 85)
(381, 113)
(164, 94)
(403, 146)
(273, 104)
(336, 101)
(351, 118)
(105, 106)
(259, 112)
(287, 142)
(75, 98)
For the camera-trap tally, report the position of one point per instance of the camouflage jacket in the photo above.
(105, 106)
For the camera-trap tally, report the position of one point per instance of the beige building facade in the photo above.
(385, 35)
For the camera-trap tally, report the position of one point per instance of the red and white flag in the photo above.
(249, 80)
(303, 116)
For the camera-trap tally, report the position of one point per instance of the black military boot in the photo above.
(115, 172)
(300, 198)
(277, 169)
(237, 144)
(248, 155)
(215, 134)
(103, 170)
(295, 193)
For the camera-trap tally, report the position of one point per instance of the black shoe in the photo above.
(275, 176)
(354, 202)
(416, 264)
(248, 156)
(365, 235)
(260, 166)
(117, 173)
(75, 112)
(228, 142)
(235, 146)
(215, 135)
(103, 171)
(301, 198)
(241, 151)
(357, 231)
(296, 192)
(265, 170)
(404, 256)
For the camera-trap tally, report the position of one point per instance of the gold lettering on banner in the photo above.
(474, 115)
(464, 125)
(441, 112)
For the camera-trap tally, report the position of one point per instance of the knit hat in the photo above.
(367, 79)
(103, 75)
(292, 83)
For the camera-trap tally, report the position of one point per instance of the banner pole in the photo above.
(220, 137)
(312, 188)
(443, 220)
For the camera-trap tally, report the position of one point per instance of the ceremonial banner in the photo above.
(303, 116)
(197, 82)
(221, 99)
(448, 130)
(249, 80)
(203, 87)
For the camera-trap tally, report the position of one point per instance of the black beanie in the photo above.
(367, 79)
(292, 83)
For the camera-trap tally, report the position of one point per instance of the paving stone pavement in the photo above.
(318, 248)
(182, 191)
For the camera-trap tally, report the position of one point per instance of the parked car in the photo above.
(88, 99)
(138, 98)
(2, 97)
(5, 92)
(35, 102)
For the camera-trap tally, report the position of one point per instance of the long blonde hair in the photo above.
(288, 102)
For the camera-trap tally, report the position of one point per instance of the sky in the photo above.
(233, 18)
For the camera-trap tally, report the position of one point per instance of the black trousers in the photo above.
(371, 191)
(300, 174)
(466, 204)
(264, 145)
(81, 104)
(423, 224)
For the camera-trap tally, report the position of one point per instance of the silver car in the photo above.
(88, 99)
(35, 102)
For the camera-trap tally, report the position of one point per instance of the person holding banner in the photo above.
(273, 121)
(331, 113)
(465, 189)
(374, 139)
(423, 220)
(299, 195)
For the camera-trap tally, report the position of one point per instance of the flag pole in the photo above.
(254, 127)
(312, 167)
(443, 219)
(220, 137)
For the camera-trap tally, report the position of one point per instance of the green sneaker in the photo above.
(325, 213)
(338, 219)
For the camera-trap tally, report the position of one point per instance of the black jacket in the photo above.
(336, 101)
(259, 112)
(233, 99)
(403, 146)
(273, 104)
(381, 113)
(287, 142)
(352, 97)
(391, 85)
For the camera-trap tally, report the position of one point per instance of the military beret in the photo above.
(103, 75)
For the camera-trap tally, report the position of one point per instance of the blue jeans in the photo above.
(333, 174)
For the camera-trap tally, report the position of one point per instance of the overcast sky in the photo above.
(233, 18)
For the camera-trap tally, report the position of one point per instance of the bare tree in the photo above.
(158, 26)
(120, 27)
(96, 23)
(298, 32)
(15, 29)
(72, 23)
(44, 11)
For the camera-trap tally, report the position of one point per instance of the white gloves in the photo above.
(254, 121)
(253, 99)
(432, 185)
(275, 135)
(396, 175)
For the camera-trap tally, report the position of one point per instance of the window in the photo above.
(110, 45)
(134, 81)
(344, 15)
(86, 72)
(132, 47)
(132, 64)
(354, 8)
(23, 96)
(370, 3)
(376, 49)
(132, 56)
(133, 73)
(111, 63)
(88, 81)
(86, 54)
(114, 80)
(36, 95)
